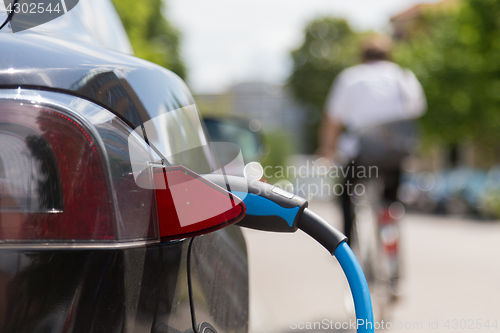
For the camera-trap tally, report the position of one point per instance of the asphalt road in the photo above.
(451, 278)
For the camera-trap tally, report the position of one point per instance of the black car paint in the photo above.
(140, 289)
(132, 88)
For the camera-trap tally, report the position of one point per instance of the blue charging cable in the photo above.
(269, 208)
(334, 241)
(359, 287)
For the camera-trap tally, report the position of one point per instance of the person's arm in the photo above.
(414, 94)
(331, 126)
(328, 134)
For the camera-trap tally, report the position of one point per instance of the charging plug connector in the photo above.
(269, 208)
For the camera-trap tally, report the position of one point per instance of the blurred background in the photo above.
(271, 63)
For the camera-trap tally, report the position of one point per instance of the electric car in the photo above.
(86, 244)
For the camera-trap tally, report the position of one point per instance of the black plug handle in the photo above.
(322, 231)
(269, 208)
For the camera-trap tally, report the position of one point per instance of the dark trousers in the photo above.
(390, 179)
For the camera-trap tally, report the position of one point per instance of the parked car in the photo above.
(457, 191)
(85, 245)
(238, 131)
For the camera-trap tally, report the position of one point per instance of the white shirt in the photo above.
(370, 94)
(375, 93)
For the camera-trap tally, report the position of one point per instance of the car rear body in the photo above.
(94, 272)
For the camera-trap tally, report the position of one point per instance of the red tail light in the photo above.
(61, 190)
(66, 176)
(189, 205)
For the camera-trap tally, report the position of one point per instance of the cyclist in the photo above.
(368, 120)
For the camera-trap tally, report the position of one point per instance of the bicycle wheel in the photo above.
(367, 245)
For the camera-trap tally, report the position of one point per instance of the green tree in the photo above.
(329, 46)
(152, 36)
(456, 56)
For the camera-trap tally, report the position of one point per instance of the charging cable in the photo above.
(269, 208)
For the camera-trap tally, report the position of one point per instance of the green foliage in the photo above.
(329, 46)
(280, 149)
(489, 204)
(152, 36)
(456, 56)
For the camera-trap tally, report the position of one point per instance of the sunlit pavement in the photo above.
(451, 278)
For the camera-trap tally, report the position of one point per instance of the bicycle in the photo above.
(375, 242)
